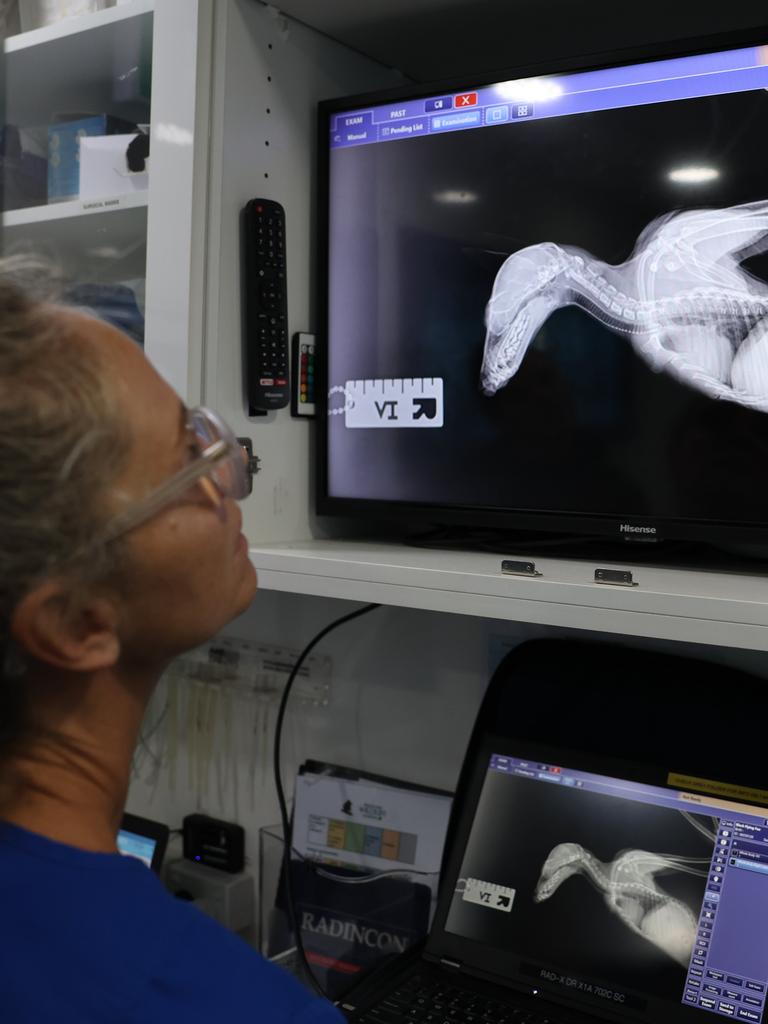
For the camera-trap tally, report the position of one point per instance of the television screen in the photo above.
(547, 300)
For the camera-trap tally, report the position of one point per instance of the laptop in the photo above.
(581, 885)
(143, 839)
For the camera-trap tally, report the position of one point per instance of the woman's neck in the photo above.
(67, 776)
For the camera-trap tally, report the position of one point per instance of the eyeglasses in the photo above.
(222, 468)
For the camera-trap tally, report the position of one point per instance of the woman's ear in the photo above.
(76, 634)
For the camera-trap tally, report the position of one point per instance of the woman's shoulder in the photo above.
(113, 942)
(75, 904)
(215, 970)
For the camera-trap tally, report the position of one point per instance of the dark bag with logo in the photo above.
(349, 926)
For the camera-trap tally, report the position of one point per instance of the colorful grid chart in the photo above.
(337, 834)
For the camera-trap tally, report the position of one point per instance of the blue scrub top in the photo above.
(94, 938)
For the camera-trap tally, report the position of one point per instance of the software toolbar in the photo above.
(724, 938)
(532, 99)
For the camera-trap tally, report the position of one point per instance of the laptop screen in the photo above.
(144, 839)
(636, 898)
(132, 845)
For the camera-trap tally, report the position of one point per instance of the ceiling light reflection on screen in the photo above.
(531, 90)
(456, 197)
(693, 175)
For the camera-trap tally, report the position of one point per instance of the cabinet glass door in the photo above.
(75, 166)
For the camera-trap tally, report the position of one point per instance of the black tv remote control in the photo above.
(266, 306)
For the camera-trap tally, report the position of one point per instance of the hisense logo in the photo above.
(627, 528)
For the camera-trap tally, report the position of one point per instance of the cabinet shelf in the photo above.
(83, 229)
(97, 63)
(77, 26)
(728, 609)
(148, 63)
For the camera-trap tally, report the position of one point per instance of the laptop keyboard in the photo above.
(422, 999)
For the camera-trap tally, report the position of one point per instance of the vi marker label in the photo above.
(415, 402)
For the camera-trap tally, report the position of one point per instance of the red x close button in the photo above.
(466, 99)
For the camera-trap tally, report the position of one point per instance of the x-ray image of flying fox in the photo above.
(631, 891)
(683, 300)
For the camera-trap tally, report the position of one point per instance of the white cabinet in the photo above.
(269, 73)
(726, 609)
(135, 248)
(407, 680)
(230, 91)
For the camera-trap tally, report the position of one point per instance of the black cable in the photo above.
(287, 829)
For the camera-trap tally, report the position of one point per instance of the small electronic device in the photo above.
(219, 844)
(265, 306)
(566, 825)
(303, 375)
(144, 839)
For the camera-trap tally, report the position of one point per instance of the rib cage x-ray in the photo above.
(630, 888)
(682, 299)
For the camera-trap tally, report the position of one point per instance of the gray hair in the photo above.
(62, 444)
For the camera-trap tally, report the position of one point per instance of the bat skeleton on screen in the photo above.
(682, 299)
(630, 888)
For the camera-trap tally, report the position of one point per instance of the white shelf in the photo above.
(82, 229)
(72, 26)
(91, 64)
(74, 208)
(719, 608)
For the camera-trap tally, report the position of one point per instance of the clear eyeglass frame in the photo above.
(221, 467)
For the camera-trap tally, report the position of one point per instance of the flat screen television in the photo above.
(544, 299)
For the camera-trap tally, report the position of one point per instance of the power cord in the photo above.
(287, 830)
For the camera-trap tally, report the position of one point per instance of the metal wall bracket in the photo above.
(511, 568)
(615, 577)
(254, 462)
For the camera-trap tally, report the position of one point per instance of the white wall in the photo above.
(405, 688)
(269, 74)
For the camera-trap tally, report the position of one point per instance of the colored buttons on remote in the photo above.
(307, 373)
(303, 372)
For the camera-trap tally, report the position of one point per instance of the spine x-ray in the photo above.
(683, 301)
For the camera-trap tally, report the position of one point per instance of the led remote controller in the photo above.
(303, 375)
(266, 306)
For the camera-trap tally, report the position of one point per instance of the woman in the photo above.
(120, 547)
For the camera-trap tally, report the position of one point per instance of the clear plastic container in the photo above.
(350, 920)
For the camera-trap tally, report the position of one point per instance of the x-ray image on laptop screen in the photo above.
(617, 891)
